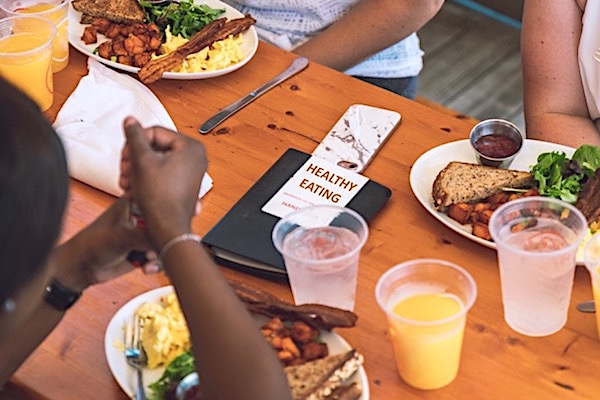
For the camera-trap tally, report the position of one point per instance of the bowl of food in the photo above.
(496, 142)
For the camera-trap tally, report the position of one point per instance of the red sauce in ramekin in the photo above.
(496, 146)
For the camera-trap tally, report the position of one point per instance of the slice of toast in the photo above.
(317, 379)
(346, 392)
(119, 11)
(461, 182)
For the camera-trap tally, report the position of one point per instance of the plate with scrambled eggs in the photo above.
(224, 57)
(168, 337)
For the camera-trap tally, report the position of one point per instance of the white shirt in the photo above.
(289, 23)
(588, 66)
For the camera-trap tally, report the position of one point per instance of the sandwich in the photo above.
(325, 378)
(118, 11)
(461, 182)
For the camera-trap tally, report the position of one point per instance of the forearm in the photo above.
(233, 359)
(90, 256)
(566, 129)
(26, 338)
(554, 101)
(369, 27)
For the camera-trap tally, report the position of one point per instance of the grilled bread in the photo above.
(320, 378)
(119, 11)
(461, 182)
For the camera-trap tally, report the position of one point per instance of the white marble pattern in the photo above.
(357, 136)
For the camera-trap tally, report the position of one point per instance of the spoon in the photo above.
(586, 307)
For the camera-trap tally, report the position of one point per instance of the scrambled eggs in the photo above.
(221, 54)
(165, 335)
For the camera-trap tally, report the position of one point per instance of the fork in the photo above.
(597, 55)
(135, 354)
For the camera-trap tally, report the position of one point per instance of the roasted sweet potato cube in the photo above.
(314, 350)
(460, 212)
(105, 50)
(481, 230)
(498, 198)
(90, 35)
(484, 216)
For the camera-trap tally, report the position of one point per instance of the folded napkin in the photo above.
(90, 125)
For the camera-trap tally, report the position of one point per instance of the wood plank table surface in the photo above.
(497, 363)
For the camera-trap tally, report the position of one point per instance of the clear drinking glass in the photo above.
(56, 11)
(537, 240)
(426, 302)
(26, 55)
(591, 256)
(321, 248)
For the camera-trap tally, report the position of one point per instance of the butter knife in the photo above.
(297, 65)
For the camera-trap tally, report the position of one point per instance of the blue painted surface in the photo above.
(490, 13)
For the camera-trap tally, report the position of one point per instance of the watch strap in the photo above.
(60, 297)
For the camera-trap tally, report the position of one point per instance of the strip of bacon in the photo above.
(219, 29)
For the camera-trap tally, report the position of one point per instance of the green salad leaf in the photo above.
(184, 18)
(176, 370)
(588, 158)
(563, 178)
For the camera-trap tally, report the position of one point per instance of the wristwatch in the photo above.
(59, 296)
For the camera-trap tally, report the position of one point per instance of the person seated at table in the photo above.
(40, 280)
(561, 78)
(373, 40)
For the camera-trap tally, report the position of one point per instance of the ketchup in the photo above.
(496, 146)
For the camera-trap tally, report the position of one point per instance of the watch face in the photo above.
(59, 296)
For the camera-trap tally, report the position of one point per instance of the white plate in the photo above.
(429, 164)
(125, 375)
(248, 46)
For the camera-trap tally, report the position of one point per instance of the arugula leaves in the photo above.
(177, 369)
(185, 18)
(563, 178)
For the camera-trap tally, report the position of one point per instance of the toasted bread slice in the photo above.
(318, 379)
(119, 11)
(346, 392)
(461, 182)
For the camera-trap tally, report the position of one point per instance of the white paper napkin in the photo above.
(90, 124)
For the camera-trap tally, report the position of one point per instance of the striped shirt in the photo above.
(289, 23)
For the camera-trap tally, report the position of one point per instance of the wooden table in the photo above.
(497, 363)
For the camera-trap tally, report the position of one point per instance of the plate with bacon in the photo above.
(93, 35)
(269, 314)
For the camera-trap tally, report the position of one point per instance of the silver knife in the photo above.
(297, 65)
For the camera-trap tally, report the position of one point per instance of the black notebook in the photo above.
(242, 238)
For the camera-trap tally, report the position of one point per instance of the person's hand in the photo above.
(161, 171)
(99, 252)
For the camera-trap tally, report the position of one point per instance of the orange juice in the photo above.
(25, 57)
(596, 287)
(427, 340)
(57, 13)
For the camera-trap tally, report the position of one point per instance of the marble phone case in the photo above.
(357, 136)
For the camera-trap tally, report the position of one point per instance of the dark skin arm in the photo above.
(555, 107)
(233, 359)
(96, 254)
(369, 27)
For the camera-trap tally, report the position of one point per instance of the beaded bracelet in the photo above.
(180, 238)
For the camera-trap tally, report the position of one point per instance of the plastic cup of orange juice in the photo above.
(592, 262)
(55, 11)
(26, 56)
(426, 302)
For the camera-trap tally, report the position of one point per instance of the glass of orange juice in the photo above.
(591, 257)
(426, 302)
(26, 56)
(55, 11)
